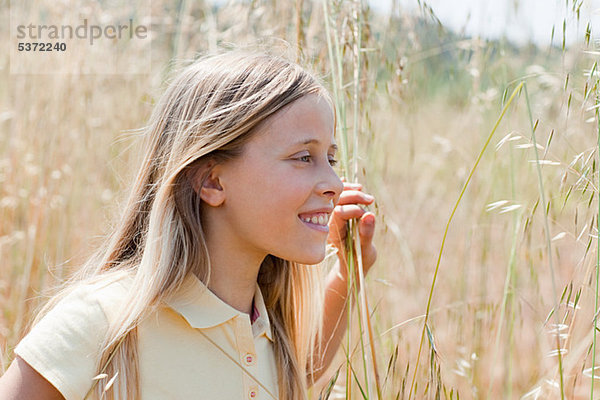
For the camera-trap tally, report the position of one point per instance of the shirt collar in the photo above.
(202, 309)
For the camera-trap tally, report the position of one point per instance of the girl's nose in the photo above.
(331, 185)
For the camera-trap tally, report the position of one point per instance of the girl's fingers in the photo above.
(347, 211)
(366, 231)
(348, 207)
(366, 227)
(351, 185)
(341, 214)
(355, 186)
(355, 197)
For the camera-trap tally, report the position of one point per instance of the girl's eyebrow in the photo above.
(315, 141)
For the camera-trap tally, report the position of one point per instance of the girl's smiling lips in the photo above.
(317, 219)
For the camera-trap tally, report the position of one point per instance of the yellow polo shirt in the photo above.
(194, 347)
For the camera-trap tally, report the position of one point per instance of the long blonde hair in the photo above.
(208, 112)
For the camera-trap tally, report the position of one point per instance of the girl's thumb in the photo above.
(366, 227)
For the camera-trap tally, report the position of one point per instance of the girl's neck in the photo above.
(233, 275)
(229, 285)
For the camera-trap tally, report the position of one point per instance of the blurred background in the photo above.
(425, 89)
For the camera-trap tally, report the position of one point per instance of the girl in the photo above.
(204, 290)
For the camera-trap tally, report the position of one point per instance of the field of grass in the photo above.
(517, 279)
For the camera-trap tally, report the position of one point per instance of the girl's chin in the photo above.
(306, 259)
(313, 259)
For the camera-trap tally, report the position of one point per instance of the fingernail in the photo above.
(369, 197)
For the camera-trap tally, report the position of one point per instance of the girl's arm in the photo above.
(21, 382)
(334, 322)
(336, 285)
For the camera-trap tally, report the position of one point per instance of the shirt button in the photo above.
(249, 359)
(252, 394)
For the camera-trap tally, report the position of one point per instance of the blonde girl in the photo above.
(206, 289)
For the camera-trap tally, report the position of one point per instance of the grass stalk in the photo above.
(437, 266)
(353, 235)
(506, 296)
(513, 277)
(350, 170)
(351, 246)
(340, 112)
(299, 29)
(597, 266)
(508, 281)
(548, 242)
(335, 64)
(370, 368)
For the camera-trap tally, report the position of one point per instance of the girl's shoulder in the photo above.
(84, 305)
(106, 293)
(94, 301)
(64, 345)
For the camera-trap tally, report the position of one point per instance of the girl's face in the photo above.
(285, 176)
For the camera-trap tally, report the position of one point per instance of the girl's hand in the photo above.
(346, 209)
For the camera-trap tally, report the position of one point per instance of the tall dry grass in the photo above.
(422, 102)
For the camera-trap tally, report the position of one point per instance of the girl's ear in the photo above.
(209, 189)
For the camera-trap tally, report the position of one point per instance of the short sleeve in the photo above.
(64, 346)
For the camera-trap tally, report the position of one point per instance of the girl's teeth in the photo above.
(321, 219)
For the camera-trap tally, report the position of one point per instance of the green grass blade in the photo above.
(462, 192)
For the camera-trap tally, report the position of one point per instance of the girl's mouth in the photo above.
(316, 221)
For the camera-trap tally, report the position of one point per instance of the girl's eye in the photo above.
(307, 157)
